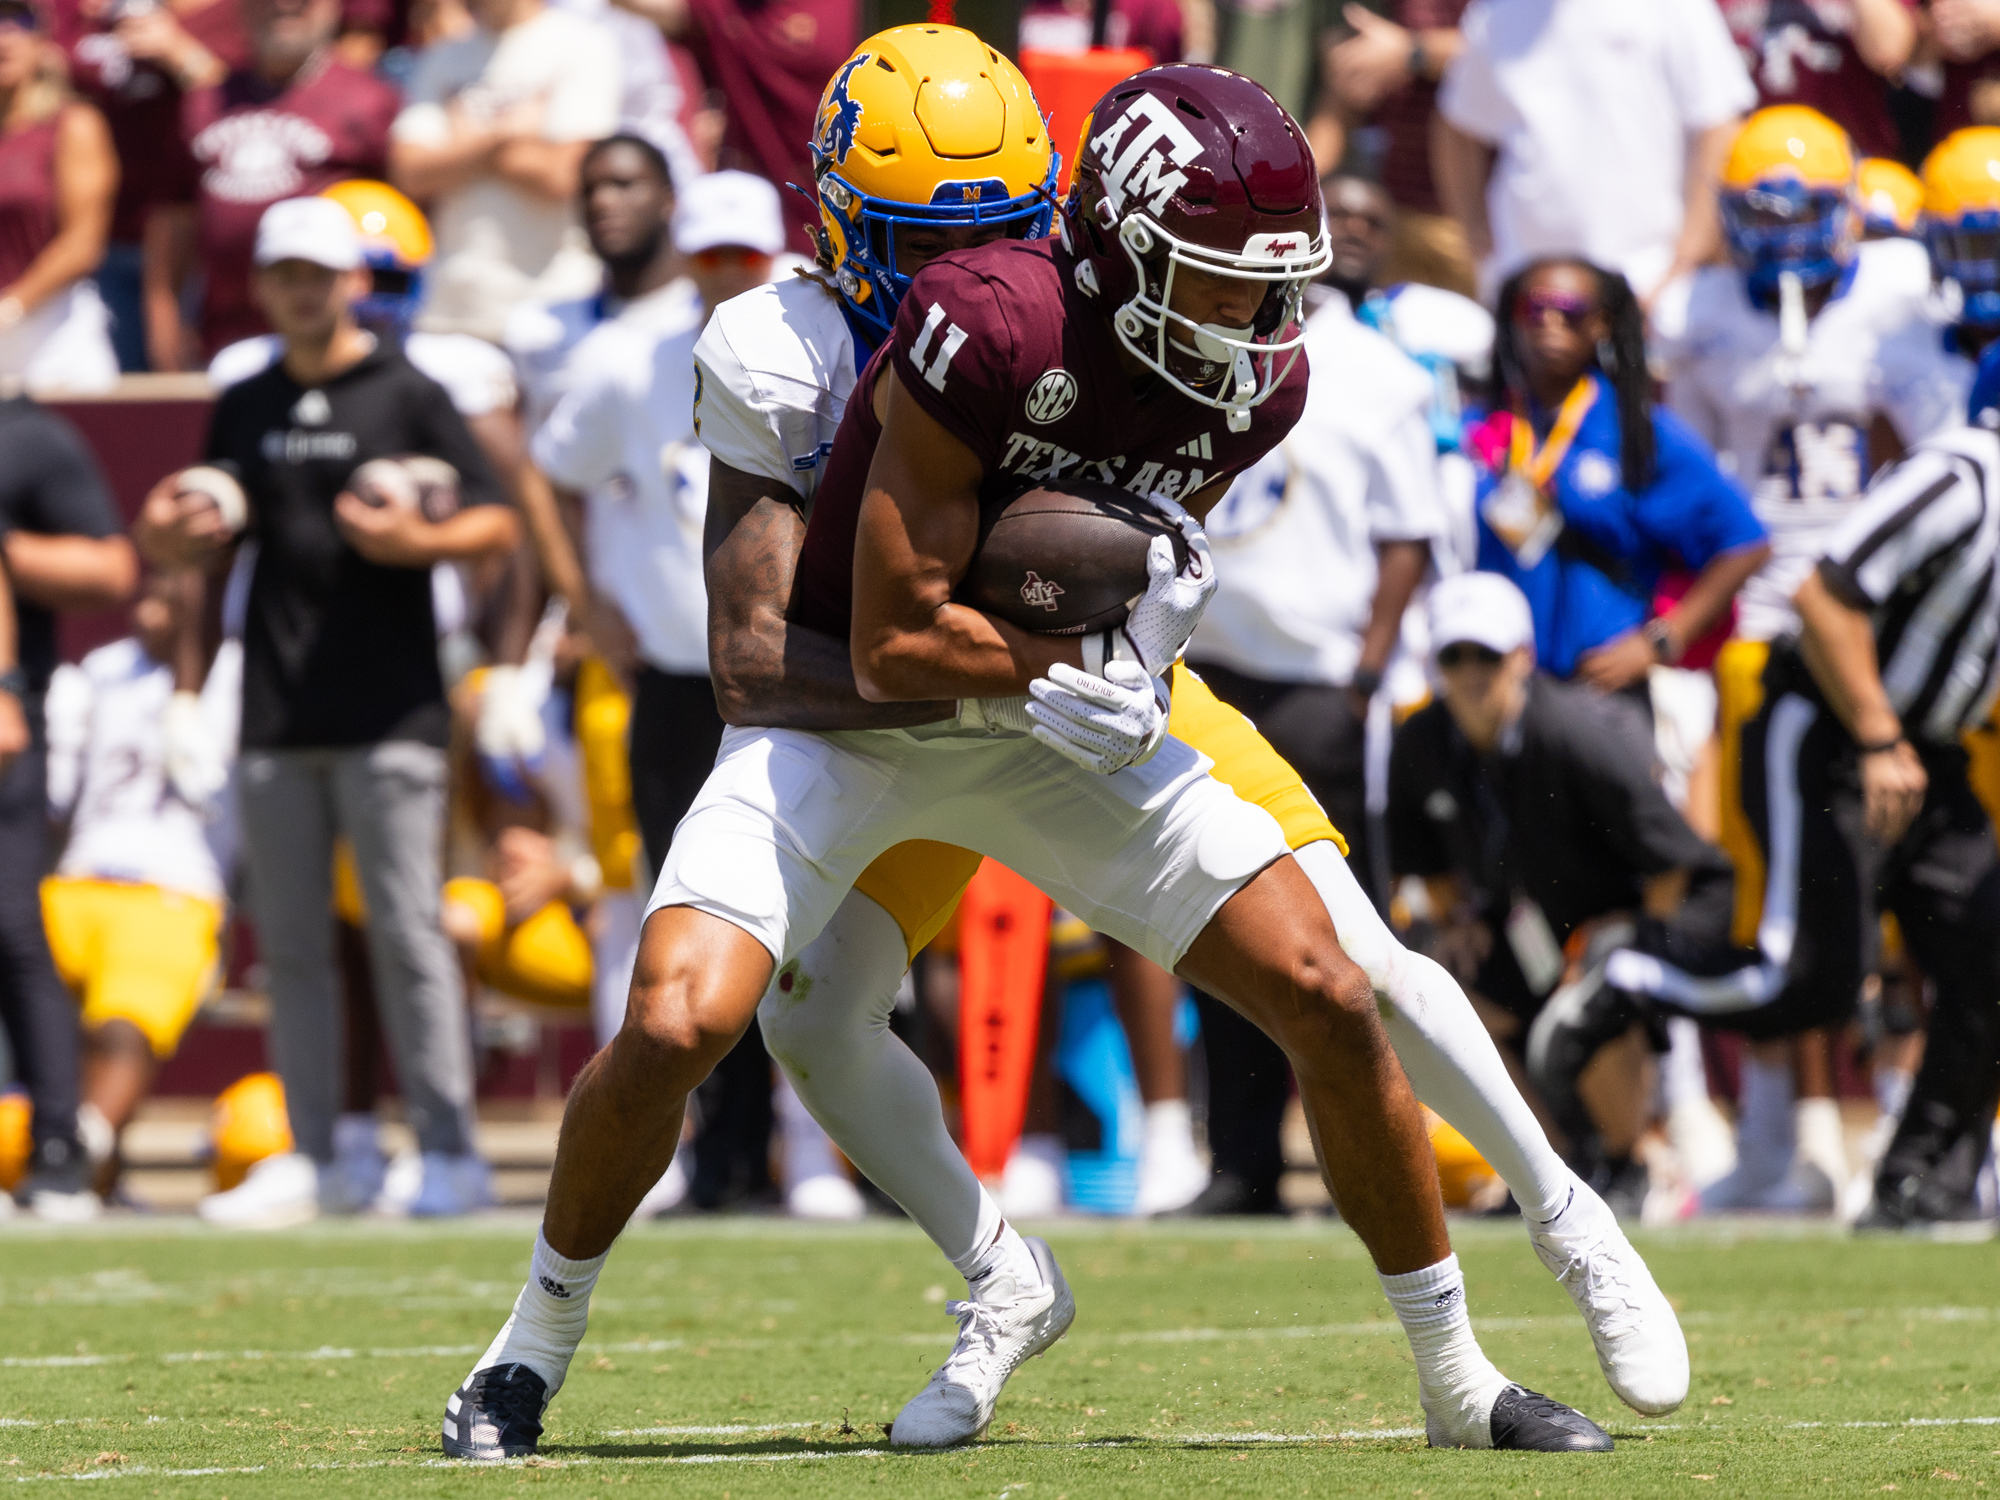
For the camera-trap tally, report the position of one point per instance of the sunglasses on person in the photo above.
(729, 255)
(1467, 654)
(1538, 304)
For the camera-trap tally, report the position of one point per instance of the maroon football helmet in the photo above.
(1198, 167)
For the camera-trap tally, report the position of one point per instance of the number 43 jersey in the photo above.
(1791, 418)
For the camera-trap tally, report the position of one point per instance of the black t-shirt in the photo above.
(337, 650)
(1565, 811)
(49, 483)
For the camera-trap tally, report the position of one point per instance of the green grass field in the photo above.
(750, 1358)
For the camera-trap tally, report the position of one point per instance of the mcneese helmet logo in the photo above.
(1052, 397)
(1041, 593)
(840, 116)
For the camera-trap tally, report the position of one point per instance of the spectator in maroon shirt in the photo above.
(293, 122)
(1386, 72)
(134, 59)
(1830, 55)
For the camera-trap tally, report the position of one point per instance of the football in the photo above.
(412, 481)
(1062, 561)
(219, 488)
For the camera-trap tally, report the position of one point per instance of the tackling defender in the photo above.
(789, 818)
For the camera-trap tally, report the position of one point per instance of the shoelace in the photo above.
(1602, 1284)
(1538, 1405)
(978, 1334)
(511, 1400)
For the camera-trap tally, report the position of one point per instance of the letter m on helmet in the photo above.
(1138, 153)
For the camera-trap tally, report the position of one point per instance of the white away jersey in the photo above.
(773, 372)
(107, 769)
(1793, 424)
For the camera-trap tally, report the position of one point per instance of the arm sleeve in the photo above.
(68, 493)
(1414, 847)
(1930, 502)
(578, 446)
(442, 433)
(1692, 508)
(954, 352)
(1470, 96)
(1704, 70)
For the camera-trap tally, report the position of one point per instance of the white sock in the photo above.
(1169, 1130)
(549, 1316)
(1001, 1268)
(1821, 1139)
(1456, 1382)
(979, 1258)
(1683, 1074)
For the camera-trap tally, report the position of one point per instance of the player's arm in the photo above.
(767, 670)
(919, 526)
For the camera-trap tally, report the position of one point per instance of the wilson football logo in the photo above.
(1052, 397)
(1041, 593)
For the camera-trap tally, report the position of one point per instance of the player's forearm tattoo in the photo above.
(767, 671)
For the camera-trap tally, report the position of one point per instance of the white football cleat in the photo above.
(1639, 1343)
(280, 1191)
(1003, 1325)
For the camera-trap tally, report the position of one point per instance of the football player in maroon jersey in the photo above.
(1156, 348)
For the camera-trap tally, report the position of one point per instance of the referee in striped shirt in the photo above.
(1855, 780)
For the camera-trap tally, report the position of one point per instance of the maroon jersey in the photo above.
(999, 346)
(141, 103)
(249, 144)
(27, 195)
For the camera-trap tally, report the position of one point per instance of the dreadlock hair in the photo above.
(1621, 357)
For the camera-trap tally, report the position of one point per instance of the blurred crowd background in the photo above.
(519, 177)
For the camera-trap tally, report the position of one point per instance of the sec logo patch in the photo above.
(1052, 397)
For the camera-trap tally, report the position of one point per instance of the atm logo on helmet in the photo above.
(1138, 152)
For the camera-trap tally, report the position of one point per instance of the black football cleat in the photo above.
(1526, 1421)
(496, 1414)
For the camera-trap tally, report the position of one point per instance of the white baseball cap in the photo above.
(311, 229)
(1482, 608)
(728, 208)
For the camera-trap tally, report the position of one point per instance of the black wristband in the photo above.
(1882, 747)
(1365, 681)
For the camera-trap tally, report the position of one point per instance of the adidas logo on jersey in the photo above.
(1198, 448)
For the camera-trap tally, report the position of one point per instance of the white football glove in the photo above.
(1105, 723)
(1156, 631)
(510, 737)
(196, 766)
